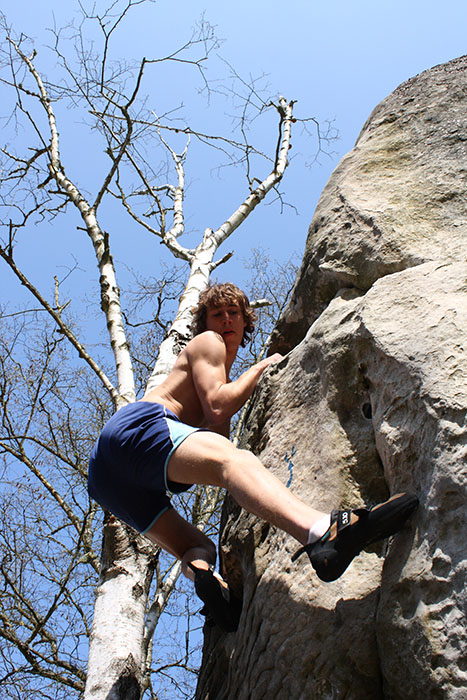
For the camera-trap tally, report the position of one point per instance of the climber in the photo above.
(177, 436)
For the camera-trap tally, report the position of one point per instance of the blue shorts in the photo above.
(128, 464)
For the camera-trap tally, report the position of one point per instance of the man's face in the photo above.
(228, 321)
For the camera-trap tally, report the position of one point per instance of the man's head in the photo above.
(220, 295)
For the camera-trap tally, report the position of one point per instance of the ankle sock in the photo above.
(319, 528)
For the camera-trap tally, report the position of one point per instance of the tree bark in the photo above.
(115, 665)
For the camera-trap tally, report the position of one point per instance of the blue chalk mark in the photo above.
(290, 465)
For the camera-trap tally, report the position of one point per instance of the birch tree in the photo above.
(147, 159)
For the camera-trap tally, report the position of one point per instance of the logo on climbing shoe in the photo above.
(345, 517)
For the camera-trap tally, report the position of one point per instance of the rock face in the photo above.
(398, 199)
(372, 400)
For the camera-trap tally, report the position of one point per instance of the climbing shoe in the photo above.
(348, 535)
(221, 607)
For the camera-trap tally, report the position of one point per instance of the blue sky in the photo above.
(337, 59)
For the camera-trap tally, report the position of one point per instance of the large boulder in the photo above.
(396, 200)
(372, 401)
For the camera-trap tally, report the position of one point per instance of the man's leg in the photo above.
(198, 556)
(331, 540)
(184, 541)
(209, 458)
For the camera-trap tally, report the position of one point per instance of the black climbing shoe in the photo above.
(331, 555)
(220, 605)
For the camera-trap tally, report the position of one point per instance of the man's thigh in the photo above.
(199, 459)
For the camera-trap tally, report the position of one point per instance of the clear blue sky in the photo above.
(337, 59)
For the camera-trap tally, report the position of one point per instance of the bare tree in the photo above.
(52, 414)
(48, 559)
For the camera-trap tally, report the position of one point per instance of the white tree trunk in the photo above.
(121, 636)
(126, 659)
(179, 333)
(202, 262)
(116, 650)
(122, 630)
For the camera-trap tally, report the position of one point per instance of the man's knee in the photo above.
(233, 464)
(228, 461)
(210, 549)
(205, 552)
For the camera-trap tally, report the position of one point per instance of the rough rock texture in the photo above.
(396, 200)
(371, 401)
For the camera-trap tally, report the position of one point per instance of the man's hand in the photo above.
(272, 359)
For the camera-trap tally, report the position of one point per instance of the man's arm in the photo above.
(219, 397)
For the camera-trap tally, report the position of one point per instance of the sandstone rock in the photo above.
(395, 201)
(373, 399)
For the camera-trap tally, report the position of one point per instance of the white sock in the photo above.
(319, 528)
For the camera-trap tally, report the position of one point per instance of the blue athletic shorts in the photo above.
(128, 464)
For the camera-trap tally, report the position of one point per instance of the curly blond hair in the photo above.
(217, 295)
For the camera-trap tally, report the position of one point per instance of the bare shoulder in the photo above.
(208, 344)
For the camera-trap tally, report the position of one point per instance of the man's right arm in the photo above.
(219, 397)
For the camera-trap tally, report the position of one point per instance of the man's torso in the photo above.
(178, 393)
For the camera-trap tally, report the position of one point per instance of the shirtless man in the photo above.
(177, 435)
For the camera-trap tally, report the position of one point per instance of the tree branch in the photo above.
(61, 324)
